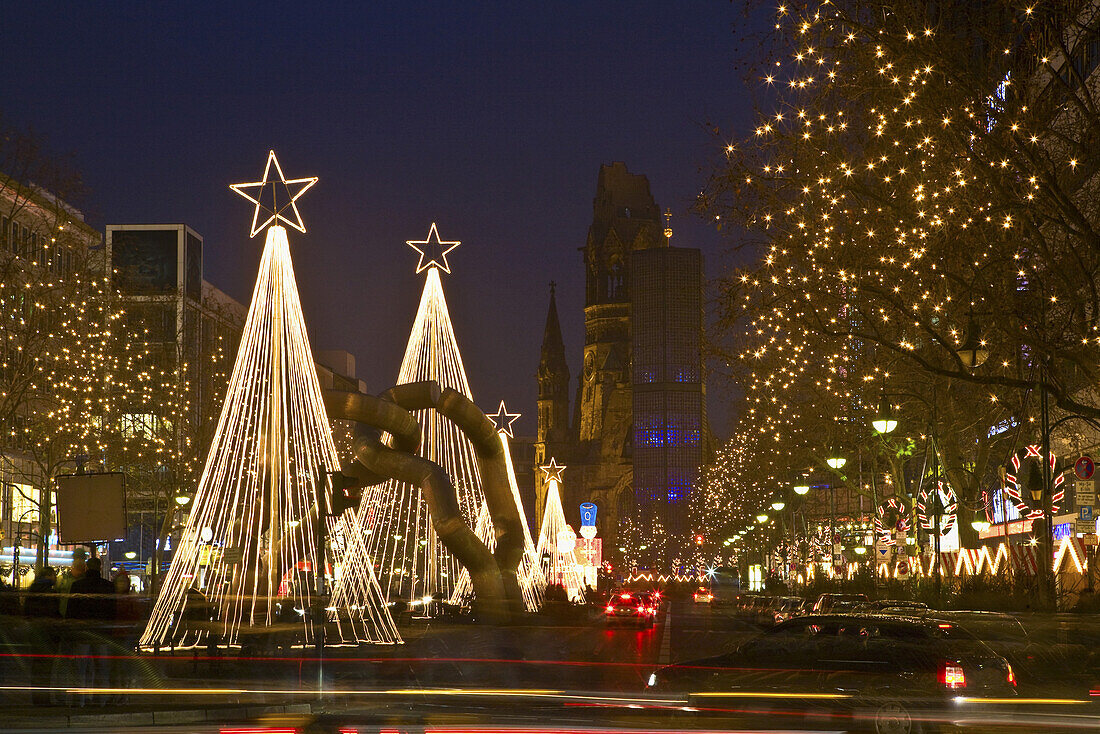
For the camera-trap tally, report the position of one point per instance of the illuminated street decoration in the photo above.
(503, 420)
(247, 555)
(949, 501)
(892, 514)
(433, 252)
(557, 540)
(1024, 470)
(274, 210)
(552, 471)
(413, 564)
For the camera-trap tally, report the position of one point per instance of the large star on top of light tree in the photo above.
(553, 471)
(503, 420)
(432, 251)
(282, 190)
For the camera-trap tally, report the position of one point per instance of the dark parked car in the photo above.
(888, 669)
(788, 608)
(833, 603)
(891, 606)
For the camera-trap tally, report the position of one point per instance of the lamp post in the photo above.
(973, 352)
(885, 421)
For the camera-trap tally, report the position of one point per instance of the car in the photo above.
(789, 608)
(891, 605)
(827, 603)
(636, 607)
(887, 669)
(702, 595)
(748, 604)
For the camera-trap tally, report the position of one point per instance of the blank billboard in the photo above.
(91, 508)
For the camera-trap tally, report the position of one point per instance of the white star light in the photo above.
(275, 210)
(553, 471)
(433, 252)
(503, 420)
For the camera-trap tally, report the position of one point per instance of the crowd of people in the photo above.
(84, 619)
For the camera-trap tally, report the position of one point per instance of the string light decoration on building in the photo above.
(412, 562)
(532, 583)
(249, 546)
(557, 540)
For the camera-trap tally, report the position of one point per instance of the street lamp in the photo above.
(762, 518)
(884, 421)
(973, 352)
(778, 505)
(182, 500)
(838, 462)
(802, 489)
(980, 523)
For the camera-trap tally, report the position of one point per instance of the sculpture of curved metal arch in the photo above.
(497, 593)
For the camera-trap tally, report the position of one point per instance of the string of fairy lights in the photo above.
(909, 194)
(249, 546)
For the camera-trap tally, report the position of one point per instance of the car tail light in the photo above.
(610, 609)
(624, 596)
(652, 610)
(952, 676)
(1011, 677)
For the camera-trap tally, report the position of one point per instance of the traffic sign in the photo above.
(1084, 513)
(1084, 467)
(1085, 492)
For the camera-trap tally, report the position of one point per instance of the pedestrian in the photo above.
(41, 599)
(64, 586)
(93, 606)
(40, 607)
(63, 672)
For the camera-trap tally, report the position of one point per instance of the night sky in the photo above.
(490, 119)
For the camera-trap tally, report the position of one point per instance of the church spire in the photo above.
(553, 368)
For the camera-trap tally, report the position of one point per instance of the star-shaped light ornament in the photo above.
(275, 197)
(503, 420)
(553, 471)
(433, 252)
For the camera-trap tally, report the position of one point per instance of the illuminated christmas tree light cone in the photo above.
(413, 565)
(248, 553)
(531, 580)
(557, 541)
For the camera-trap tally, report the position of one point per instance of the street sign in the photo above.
(232, 555)
(1084, 467)
(1084, 513)
(1085, 491)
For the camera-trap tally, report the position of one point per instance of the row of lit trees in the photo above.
(917, 196)
(84, 386)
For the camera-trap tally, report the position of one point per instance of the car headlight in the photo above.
(652, 680)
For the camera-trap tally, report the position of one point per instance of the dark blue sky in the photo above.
(490, 119)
